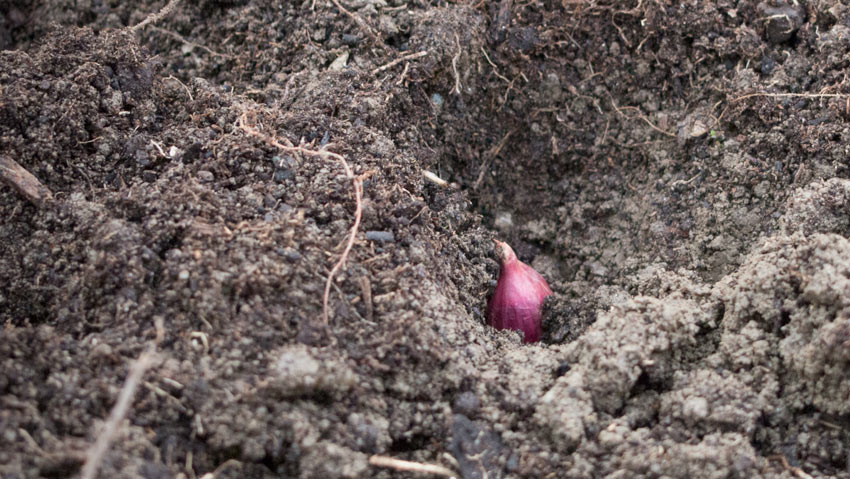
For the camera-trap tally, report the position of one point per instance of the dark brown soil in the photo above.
(679, 172)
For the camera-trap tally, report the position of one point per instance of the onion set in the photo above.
(517, 301)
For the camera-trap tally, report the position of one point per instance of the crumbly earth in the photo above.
(679, 172)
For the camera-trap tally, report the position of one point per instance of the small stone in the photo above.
(467, 403)
(504, 221)
(698, 129)
(552, 87)
(281, 175)
(437, 100)
(292, 255)
(340, 62)
(696, 407)
(205, 176)
(175, 152)
(350, 40)
(513, 463)
(380, 236)
(597, 269)
(693, 126)
(300, 370)
(768, 64)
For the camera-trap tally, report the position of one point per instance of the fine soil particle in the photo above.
(678, 173)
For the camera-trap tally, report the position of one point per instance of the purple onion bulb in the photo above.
(517, 301)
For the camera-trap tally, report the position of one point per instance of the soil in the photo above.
(678, 171)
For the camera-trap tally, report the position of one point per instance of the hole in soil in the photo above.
(645, 383)
(526, 194)
(413, 443)
(398, 40)
(12, 20)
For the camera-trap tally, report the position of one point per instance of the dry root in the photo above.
(98, 450)
(155, 17)
(400, 465)
(357, 182)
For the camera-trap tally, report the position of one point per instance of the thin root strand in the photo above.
(411, 56)
(456, 88)
(401, 465)
(357, 182)
(155, 17)
(98, 450)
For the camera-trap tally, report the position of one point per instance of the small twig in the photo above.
(632, 11)
(642, 117)
(358, 213)
(433, 178)
(23, 181)
(403, 74)
(188, 91)
(685, 182)
(202, 337)
(366, 291)
(793, 95)
(403, 6)
(605, 133)
(507, 92)
(158, 146)
(98, 450)
(456, 89)
(495, 69)
(289, 83)
(357, 182)
(400, 465)
(155, 17)
(362, 24)
(31, 442)
(411, 56)
(794, 470)
(226, 464)
(492, 153)
(773, 95)
(159, 328)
